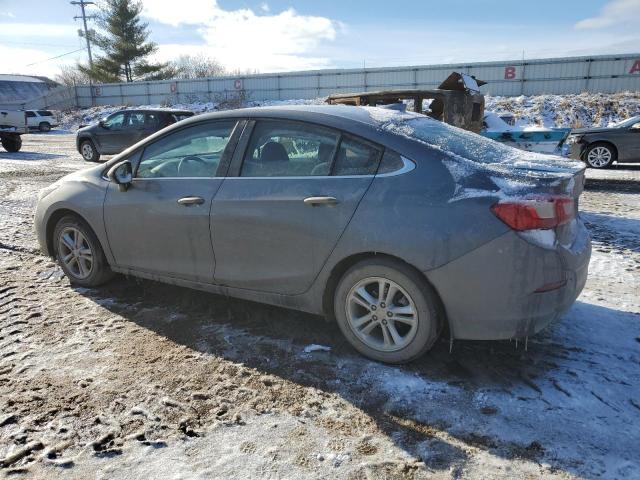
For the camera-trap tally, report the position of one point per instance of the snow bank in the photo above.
(575, 111)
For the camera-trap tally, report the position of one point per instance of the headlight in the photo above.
(47, 190)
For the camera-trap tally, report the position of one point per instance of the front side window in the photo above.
(31, 114)
(194, 151)
(115, 122)
(45, 113)
(289, 149)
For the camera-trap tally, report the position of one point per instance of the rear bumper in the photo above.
(490, 293)
(576, 150)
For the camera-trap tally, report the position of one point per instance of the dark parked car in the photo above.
(394, 224)
(122, 129)
(600, 147)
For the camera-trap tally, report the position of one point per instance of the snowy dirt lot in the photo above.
(143, 380)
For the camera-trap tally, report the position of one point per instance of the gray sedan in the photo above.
(396, 225)
(600, 147)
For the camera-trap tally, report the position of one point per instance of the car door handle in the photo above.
(187, 201)
(313, 201)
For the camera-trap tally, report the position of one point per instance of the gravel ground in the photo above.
(143, 380)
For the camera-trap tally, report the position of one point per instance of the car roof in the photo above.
(154, 110)
(297, 112)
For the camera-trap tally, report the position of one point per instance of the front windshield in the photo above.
(628, 122)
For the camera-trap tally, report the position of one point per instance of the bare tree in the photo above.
(238, 72)
(196, 66)
(71, 75)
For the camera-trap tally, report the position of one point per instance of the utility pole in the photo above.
(84, 17)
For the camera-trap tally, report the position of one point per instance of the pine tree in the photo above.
(123, 41)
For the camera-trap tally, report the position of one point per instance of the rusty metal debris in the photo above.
(457, 101)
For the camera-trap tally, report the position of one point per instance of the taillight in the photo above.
(535, 213)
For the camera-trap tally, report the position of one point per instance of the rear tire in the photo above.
(12, 143)
(79, 253)
(398, 327)
(600, 155)
(44, 126)
(88, 151)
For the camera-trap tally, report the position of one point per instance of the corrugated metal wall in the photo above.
(606, 74)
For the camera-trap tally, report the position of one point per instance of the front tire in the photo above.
(44, 126)
(79, 253)
(12, 143)
(387, 311)
(88, 151)
(600, 155)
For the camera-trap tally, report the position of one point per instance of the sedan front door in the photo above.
(285, 204)
(160, 225)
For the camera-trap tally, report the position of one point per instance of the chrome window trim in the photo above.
(407, 167)
(176, 178)
(301, 177)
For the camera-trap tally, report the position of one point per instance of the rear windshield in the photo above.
(182, 115)
(45, 113)
(465, 145)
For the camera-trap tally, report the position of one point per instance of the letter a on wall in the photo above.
(509, 73)
(635, 68)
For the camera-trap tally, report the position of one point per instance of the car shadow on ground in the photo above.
(33, 156)
(272, 340)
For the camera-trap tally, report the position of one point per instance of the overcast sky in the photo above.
(280, 35)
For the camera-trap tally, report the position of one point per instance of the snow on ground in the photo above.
(575, 111)
(143, 380)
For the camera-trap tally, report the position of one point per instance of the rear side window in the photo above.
(391, 162)
(289, 149)
(356, 158)
(181, 116)
(152, 120)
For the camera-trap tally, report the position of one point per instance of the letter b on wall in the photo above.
(509, 73)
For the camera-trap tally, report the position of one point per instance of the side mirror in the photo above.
(102, 124)
(636, 127)
(121, 174)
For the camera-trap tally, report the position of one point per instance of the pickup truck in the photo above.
(13, 123)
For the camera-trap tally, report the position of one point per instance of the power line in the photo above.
(40, 44)
(84, 17)
(53, 58)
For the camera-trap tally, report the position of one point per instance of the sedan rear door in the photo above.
(290, 193)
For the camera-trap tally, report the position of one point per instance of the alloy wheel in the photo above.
(599, 157)
(382, 314)
(75, 252)
(87, 151)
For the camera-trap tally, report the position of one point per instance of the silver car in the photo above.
(396, 225)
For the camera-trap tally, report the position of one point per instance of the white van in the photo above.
(43, 120)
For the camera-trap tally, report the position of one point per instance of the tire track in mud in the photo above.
(133, 394)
